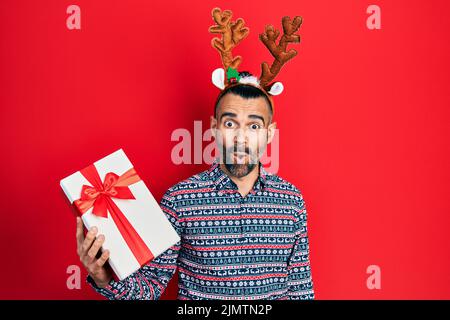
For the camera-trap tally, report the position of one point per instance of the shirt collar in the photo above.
(223, 181)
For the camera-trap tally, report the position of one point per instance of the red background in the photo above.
(364, 129)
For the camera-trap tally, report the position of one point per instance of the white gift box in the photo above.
(143, 214)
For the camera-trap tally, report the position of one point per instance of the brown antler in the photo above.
(232, 33)
(279, 51)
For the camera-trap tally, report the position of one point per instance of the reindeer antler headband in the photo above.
(233, 32)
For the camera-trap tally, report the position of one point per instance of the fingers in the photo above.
(87, 243)
(103, 258)
(92, 253)
(80, 235)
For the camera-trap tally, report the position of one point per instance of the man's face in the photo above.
(242, 129)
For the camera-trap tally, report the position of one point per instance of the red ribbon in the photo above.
(100, 195)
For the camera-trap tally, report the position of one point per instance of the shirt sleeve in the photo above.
(150, 281)
(300, 284)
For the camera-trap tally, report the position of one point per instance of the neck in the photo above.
(246, 183)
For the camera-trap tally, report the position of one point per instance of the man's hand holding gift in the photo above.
(88, 249)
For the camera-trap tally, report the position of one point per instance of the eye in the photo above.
(255, 126)
(228, 124)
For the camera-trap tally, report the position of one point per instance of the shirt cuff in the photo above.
(103, 290)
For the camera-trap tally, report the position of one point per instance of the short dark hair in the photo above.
(246, 91)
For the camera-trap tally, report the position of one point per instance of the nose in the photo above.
(240, 136)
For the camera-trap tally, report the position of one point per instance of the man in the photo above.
(243, 230)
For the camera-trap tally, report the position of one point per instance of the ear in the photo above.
(218, 78)
(276, 89)
(271, 131)
(213, 126)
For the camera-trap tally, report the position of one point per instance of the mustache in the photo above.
(239, 149)
(227, 153)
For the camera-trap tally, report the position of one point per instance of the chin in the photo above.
(240, 170)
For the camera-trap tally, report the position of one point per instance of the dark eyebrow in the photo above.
(233, 115)
(255, 116)
(228, 114)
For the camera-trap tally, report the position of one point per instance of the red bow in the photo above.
(99, 196)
